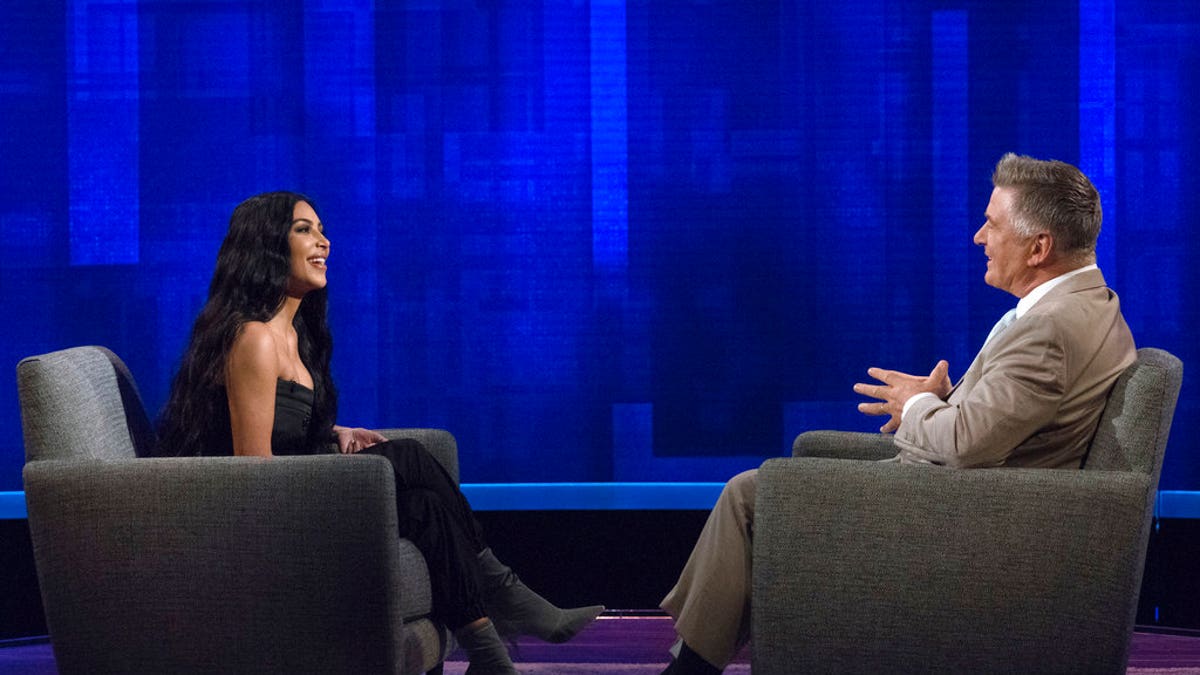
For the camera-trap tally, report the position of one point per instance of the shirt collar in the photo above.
(1031, 298)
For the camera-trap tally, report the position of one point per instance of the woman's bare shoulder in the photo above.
(254, 350)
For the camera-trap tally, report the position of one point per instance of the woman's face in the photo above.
(310, 251)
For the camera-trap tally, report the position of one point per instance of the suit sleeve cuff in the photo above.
(911, 400)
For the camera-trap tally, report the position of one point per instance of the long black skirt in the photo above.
(436, 517)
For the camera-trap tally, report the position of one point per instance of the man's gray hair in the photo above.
(1054, 197)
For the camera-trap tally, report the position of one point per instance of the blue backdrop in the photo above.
(598, 241)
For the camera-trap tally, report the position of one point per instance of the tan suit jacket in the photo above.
(1034, 393)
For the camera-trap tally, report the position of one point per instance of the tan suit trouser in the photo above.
(711, 601)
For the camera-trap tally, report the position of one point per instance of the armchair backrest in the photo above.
(81, 403)
(1132, 433)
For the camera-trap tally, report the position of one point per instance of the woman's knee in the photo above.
(408, 455)
(407, 448)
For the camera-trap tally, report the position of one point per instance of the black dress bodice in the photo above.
(293, 413)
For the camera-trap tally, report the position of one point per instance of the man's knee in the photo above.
(742, 487)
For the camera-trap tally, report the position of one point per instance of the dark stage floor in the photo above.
(636, 645)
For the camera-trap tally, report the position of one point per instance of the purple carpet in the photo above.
(633, 645)
(638, 646)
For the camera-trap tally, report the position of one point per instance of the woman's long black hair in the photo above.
(248, 284)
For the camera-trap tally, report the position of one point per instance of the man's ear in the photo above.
(1041, 248)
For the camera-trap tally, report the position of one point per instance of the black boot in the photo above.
(517, 610)
(485, 651)
(690, 663)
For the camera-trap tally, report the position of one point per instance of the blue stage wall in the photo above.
(605, 241)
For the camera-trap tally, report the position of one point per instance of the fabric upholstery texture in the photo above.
(866, 566)
(439, 442)
(81, 403)
(214, 564)
(844, 445)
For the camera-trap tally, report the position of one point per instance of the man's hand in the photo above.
(897, 388)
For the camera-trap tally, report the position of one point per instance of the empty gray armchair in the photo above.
(865, 566)
(215, 564)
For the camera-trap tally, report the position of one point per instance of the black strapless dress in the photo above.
(293, 413)
(432, 511)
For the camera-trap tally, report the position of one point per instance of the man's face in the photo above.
(1006, 250)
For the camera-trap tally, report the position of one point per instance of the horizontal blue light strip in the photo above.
(12, 506)
(539, 497)
(621, 496)
(1178, 504)
(591, 496)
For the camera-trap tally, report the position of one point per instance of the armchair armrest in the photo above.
(439, 442)
(283, 564)
(844, 445)
(883, 567)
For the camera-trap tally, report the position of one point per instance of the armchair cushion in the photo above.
(81, 403)
(231, 564)
(886, 566)
(844, 445)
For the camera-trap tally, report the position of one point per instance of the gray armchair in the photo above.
(216, 564)
(864, 567)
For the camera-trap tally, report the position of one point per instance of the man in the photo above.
(1032, 397)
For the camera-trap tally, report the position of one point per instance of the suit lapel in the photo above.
(1080, 282)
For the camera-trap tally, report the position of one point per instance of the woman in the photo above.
(255, 381)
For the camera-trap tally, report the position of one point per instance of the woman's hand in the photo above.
(353, 440)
